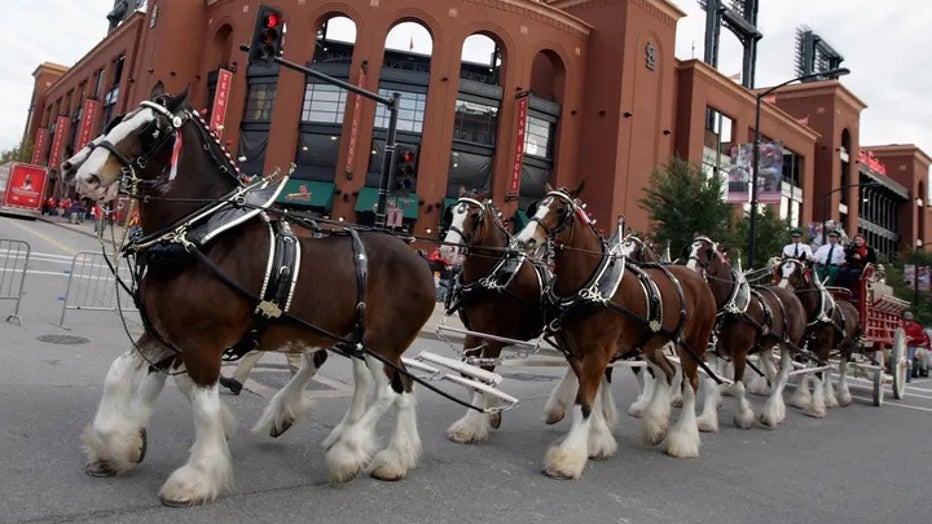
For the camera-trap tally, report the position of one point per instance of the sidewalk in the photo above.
(428, 331)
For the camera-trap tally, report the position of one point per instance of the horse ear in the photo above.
(484, 194)
(548, 188)
(579, 189)
(176, 102)
(158, 91)
(462, 192)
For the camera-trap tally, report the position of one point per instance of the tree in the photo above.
(682, 201)
(772, 234)
(20, 153)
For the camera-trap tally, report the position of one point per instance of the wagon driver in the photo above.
(830, 258)
(796, 249)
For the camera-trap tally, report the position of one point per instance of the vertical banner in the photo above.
(909, 274)
(515, 186)
(354, 126)
(770, 173)
(58, 142)
(87, 123)
(739, 176)
(218, 113)
(41, 144)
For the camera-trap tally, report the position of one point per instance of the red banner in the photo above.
(25, 187)
(87, 123)
(354, 128)
(61, 129)
(218, 113)
(519, 145)
(38, 149)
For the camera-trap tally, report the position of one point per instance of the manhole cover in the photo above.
(69, 340)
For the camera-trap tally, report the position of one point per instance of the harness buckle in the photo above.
(268, 309)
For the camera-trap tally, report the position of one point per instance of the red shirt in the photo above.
(915, 335)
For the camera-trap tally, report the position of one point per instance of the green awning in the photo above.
(369, 199)
(521, 220)
(308, 193)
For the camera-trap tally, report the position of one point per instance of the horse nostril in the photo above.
(93, 180)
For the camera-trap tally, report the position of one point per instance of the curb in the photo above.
(64, 226)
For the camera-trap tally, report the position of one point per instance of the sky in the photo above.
(883, 45)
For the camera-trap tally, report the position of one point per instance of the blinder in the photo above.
(462, 207)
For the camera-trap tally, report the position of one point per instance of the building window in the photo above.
(99, 85)
(118, 71)
(410, 111)
(792, 168)
(475, 122)
(324, 104)
(259, 102)
(538, 139)
(110, 102)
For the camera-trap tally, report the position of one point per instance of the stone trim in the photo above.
(539, 12)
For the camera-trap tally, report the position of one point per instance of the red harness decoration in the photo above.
(176, 153)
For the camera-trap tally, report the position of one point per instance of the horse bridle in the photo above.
(565, 220)
(466, 240)
(713, 250)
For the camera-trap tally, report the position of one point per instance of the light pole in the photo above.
(752, 231)
(825, 202)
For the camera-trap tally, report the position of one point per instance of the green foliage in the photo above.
(681, 202)
(905, 290)
(20, 153)
(772, 234)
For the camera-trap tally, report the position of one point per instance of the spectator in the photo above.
(916, 338)
(857, 255)
(442, 273)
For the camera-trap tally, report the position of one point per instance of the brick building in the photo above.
(607, 102)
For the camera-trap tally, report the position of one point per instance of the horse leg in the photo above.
(708, 421)
(774, 411)
(830, 400)
(404, 447)
(844, 394)
(683, 439)
(115, 441)
(728, 370)
(290, 402)
(744, 413)
(646, 382)
(817, 407)
(676, 400)
(357, 404)
(762, 385)
(357, 442)
(568, 459)
(474, 427)
(209, 469)
(561, 397)
(609, 410)
(802, 399)
(657, 415)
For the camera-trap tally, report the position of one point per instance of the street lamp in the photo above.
(837, 189)
(752, 232)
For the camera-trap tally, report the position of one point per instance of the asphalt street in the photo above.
(860, 464)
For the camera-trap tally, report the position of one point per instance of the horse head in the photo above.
(703, 256)
(554, 218)
(794, 274)
(639, 250)
(137, 145)
(473, 218)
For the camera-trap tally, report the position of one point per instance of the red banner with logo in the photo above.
(38, 149)
(61, 129)
(354, 128)
(519, 144)
(87, 123)
(218, 113)
(25, 187)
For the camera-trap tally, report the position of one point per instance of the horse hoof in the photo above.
(276, 432)
(815, 413)
(178, 503)
(495, 420)
(99, 469)
(554, 417)
(143, 446)
(556, 475)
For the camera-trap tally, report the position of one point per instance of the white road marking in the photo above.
(893, 403)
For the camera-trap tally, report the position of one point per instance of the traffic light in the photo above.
(268, 37)
(404, 174)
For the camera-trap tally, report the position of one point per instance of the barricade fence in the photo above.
(14, 262)
(92, 287)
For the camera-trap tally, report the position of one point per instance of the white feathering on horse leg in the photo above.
(744, 413)
(404, 449)
(568, 459)
(657, 415)
(357, 405)
(647, 383)
(474, 427)
(609, 409)
(114, 441)
(802, 398)
(844, 394)
(676, 399)
(817, 407)
(289, 403)
(561, 397)
(209, 470)
(683, 440)
(708, 421)
(602, 443)
(356, 445)
(830, 400)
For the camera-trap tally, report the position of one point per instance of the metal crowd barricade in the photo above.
(14, 261)
(92, 287)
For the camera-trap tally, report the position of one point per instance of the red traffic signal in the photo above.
(271, 21)
(268, 36)
(407, 156)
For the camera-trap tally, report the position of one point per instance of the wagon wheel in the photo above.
(879, 356)
(898, 364)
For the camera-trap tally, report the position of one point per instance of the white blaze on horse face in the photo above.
(533, 230)
(627, 248)
(453, 239)
(787, 272)
(694, 256)
(93, 177)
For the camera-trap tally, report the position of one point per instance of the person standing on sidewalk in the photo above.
(249, 360)
(915, 339)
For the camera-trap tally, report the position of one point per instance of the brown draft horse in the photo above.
(200, 316)
(628, 320)
(750, 320)
(496, 298)
(831, 324)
